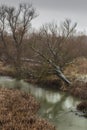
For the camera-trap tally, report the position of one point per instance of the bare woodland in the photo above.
(50, 48)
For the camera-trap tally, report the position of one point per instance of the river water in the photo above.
(55, 106)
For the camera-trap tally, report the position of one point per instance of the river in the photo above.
(55, 106)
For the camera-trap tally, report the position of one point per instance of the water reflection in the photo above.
(69, 103)
(55, 106)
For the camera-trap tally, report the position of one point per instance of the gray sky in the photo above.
(57, 10)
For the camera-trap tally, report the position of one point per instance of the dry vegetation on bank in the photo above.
(18, 111)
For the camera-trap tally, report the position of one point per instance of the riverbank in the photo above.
(76, 72)
(18, 111)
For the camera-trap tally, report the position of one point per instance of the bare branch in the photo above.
(56, 68)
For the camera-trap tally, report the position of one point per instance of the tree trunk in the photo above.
(59, 73)
(18, 63)
(62, 76)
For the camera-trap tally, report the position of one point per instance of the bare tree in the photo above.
(53, 40)
(16, 22)
(67, 28)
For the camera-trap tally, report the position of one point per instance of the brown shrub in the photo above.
(18, 112)
(79, 89)
(82, 106)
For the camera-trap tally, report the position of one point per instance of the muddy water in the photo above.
(55, 106)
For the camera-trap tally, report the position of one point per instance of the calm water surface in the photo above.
(55, 106)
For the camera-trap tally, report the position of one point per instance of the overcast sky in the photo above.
(57, 10)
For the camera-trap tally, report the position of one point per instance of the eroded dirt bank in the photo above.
(18, 111)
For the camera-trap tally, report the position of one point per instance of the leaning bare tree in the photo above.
(15, 23)
(53, 40)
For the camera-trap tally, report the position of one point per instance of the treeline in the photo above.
(73, 47)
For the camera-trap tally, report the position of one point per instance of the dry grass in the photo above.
(76, 68)
(18, 112)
